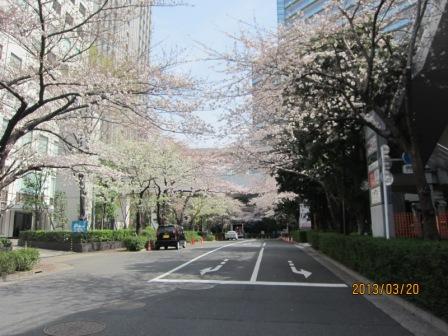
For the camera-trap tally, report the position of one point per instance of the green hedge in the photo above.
(64, 236)
(5, 244)
(20, 260)
(149, 233)
(300, 236)
(135, 243)
(190, 235)
(394, 261)
(209, 237)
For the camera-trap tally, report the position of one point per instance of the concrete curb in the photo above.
(414, 319)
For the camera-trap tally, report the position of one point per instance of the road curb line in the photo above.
(409, 316)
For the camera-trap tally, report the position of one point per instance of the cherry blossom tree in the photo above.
(64, 77)
(344, 68)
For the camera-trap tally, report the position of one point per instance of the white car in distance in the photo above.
(231, 235)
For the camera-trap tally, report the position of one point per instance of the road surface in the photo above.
(250, 287)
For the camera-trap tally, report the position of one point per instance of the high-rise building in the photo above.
(127, 34)
(289, 10)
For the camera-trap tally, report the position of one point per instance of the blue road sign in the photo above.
(79, 226)
(407, 159)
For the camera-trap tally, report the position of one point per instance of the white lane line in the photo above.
(254, 276)
(300, 247)
(191, 261)
(255, 283)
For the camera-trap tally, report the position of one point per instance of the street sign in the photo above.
(79, 226)
(372, 145)
(407, 159)
(407, 169)
(388, 178)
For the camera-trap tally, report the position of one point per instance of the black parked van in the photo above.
(170, 235)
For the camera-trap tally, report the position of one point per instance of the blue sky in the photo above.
(206, 21)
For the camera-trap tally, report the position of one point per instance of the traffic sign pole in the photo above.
(384, 151)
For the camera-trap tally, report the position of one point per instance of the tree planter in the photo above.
(75, 247)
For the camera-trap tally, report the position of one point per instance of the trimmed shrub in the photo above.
(190, 235)
(313, 239)
(209, 237)
(64, 236)
(149, 233)
(300, 236)
(395, 261)
(135, 243)
(5, 244)
(20, 260)
(7, 263)
(25, 259)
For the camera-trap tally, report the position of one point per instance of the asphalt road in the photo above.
(243, 288)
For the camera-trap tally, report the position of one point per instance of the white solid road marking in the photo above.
(191, 261)
(217, 268)
(251, 283)
(300, 247)
(303, 272)
(253, 278)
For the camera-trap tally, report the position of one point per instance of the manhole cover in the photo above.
(76, 328)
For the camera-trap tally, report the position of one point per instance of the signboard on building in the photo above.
(372, 146)
(374, 178)
(79, 226)
(375, 196)
(304, 220)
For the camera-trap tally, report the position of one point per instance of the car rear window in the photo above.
(164, 229)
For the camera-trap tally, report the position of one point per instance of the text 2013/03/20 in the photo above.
(360, 288)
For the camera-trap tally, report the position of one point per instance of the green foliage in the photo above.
(7, 262)
(5, 244)
(395, 261)
(65, 236)
(26, 259)
(300, 236)
(20, 260)
(149, 233)
(135, 243)
(190, 235)
(313, 238)
(209, 237)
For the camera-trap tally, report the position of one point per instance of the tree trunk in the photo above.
(82, 197)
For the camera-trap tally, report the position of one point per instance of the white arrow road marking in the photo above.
(217, 268)
(305, 273)
(191, 261)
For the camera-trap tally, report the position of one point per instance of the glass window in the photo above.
(42, 145)
(3, 125)
(16, 61)
(57, 6)
(68, 19)
(82, 9)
